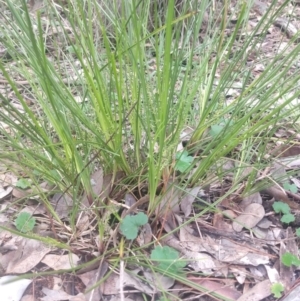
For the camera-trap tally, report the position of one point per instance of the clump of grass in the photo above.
(130, 116)
(98, 101)
(94, 94)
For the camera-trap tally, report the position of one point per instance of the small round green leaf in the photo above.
(129, 226)
(183, 161)
(288, 218)
(289, 259)
(167, 259)
(25, 222)
(290, 187)
(215, 130)
(23, 183)
(277, 289)
(280, 207)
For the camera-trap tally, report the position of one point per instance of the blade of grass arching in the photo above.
(142, 118)
(263, 106)
(54, 113)
(96, 86)
(61, 97)
(78, 113)
(168, 113)
(100, 93)
(191, 80)
(249, 44)
(59, 122)
(163, 107)
(47, 240)
(206, 92)
(28, 129)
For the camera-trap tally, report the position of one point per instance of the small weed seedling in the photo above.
(280, 207)
(289, 259)
(130, 224)
(216, 129)
(168, 259)
(276, 289)
(25, 222)
(183, 161)
(23, 183)
(290, 187)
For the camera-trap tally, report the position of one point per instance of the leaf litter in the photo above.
(222, 244)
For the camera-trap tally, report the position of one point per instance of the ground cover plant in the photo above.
(142, 147)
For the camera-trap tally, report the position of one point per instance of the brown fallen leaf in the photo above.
(97, 186)
(5, 192)
(157, 280)
(145, 235)
(28, 298)
(217, 287)
(253, 198)
(60, 262)
(94, 276)
(187, 201)
(240, 273)
(170, 200)
(58, 295)
(279, 194)
(112, 284)
(62, 204)
(30, 252)
(258, 292)
(223, 250)
(250, 217)
(220, 223)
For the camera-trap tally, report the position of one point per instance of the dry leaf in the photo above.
(91, 278)
(253, 198)
(222, 250)
(219, 223)
(170, 200)
(145, 235)
(258, 292)
(4, 192)
(272, 274)
(58, 295)
(158, 281)
(187, 201)
(61, 262)
(21, 193)
(218, 287)
(240, 274)
(28, 298)
(97, 186)
(279, 194)
(14, 290)
(62, 204)
(192, 249)
(112, 284)
(28, 255)
(252, 214)
(292, 295)
(169, 222)
(83, 223)
(264, 223)
(200, 261)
